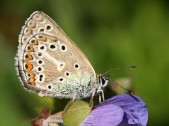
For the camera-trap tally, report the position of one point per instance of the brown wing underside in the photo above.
(40, 30)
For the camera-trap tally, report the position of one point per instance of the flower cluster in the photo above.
(120, 110)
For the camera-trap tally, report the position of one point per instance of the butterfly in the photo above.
(49, 63)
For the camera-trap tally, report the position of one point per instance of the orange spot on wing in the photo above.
(30, 48)
(54, 39)
(34, 42)
(28, 67)
(28, 31)
(28, 57)
(42, 38)
(32, 79)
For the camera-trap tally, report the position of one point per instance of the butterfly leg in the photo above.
(74, 97)
(101, 95)
(91, 99)
(100, 98)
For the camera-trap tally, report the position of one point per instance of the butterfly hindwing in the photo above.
(49, 63)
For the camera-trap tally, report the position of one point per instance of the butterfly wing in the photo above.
(49, 63)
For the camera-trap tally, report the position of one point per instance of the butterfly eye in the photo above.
(103, 81)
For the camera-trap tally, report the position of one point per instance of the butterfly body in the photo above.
(50, 64)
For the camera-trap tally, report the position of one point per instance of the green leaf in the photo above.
(75, 113)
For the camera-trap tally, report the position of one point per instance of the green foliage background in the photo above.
(111, 33)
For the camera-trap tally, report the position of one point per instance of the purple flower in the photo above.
(121, 110)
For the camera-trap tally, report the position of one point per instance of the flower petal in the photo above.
(107, 115)
(134, 107)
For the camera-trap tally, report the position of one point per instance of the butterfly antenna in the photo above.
(120, 68)
(114, 82)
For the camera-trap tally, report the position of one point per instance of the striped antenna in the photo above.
(120, 68)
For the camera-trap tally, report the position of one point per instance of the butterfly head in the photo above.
(103, 81)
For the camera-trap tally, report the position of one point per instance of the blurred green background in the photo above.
(110, 33)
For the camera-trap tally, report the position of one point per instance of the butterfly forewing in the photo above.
(49, 63)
